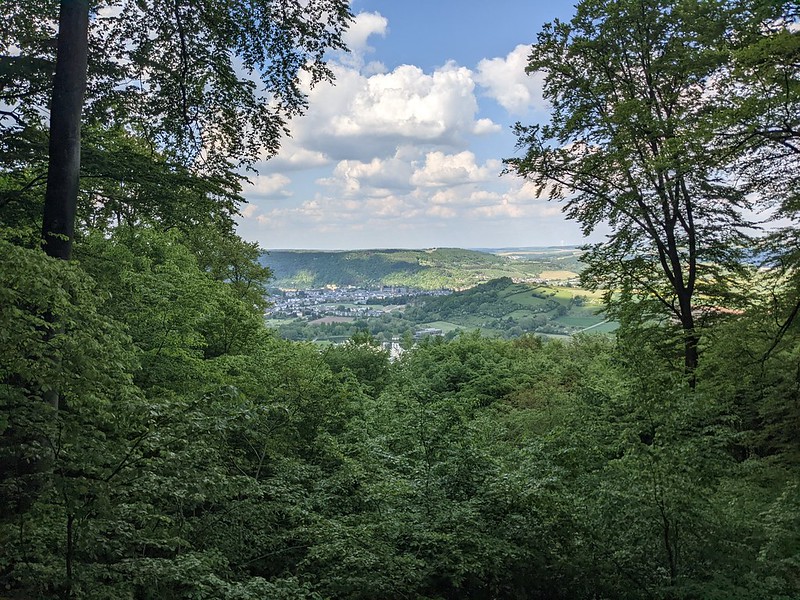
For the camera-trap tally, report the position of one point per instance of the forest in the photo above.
(158, 441)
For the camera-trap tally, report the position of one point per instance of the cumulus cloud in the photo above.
(518, 200)
(458, 198)
(357, 36)
(442, 169)
(377, 177)
(410, 170)
(322, 213)
(366, 116)
(467, 208)
(410, 104)
(505, 80)
(484, 126)
(270, 186)
(390, 216)
(292, 157)
(249, 210)
(442, 212)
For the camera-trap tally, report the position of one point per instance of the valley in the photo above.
(390, 294)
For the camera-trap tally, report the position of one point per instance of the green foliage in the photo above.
(363, 358)
(157, 477)
(626, 146)
(193, 454)
(126, 181)
(472, 468)
(198, 65)
(55, 337)
(187, 313)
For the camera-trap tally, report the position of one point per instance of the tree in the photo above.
(626, 147)
(212, 85)
(757, 123)
(757, 115)
(69, 85)
(363, 358)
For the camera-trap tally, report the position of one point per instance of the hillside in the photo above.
(504, 307)
(423, 269)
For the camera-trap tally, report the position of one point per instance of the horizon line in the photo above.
(424, 248)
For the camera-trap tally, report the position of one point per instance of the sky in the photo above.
(405, 149)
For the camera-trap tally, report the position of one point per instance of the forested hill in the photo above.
(424, 269)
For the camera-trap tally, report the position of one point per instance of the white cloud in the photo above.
(442, 169)
(410, 104)
(374, 178)
(506, 81)
(364, 25)
(374, 67)
(270, 186)
(518, 200)
(465, 198)
(357, 36)
(442, 212)
(250, 210)
(460, 207)
(293, 157)
(504, 209)
(484, 126)
(410, 172)
(362, 117)
(509, 206)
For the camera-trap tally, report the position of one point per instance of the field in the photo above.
(558, 275)
(445, 326)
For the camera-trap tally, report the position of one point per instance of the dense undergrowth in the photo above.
(196, 455)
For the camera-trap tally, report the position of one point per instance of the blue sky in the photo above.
(405, 150)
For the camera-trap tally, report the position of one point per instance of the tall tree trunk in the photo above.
(691, 342)
(69, 87)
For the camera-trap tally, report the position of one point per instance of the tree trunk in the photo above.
(691, 352)
(691, 339)
(69, 87)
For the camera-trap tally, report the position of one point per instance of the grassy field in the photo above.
(580, 321)
(604, 327)
(503, 307)
(527, 300)
(445, 326)
(557, 275)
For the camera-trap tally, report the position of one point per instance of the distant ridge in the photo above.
(433, 268)
(504, 249)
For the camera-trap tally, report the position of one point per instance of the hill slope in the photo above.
(423, 269)
(515, 308)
